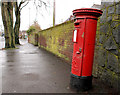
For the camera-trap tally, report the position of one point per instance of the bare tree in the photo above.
(37, 3)
(18, 9)
(12, 32)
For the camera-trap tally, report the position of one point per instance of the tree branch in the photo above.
(22, 2)
(24, 5)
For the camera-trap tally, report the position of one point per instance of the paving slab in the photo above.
(30, 69)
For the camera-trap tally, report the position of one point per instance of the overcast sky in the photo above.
(44, 17)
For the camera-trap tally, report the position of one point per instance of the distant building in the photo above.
(23, 34)
(96, 6)
(70, 18)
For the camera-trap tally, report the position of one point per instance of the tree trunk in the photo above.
(4, 18)
(17, 23)
(7, 17)
(10, 12)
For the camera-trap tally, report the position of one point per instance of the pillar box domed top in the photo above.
(87, 12)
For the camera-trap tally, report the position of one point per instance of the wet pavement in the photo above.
(30, 69)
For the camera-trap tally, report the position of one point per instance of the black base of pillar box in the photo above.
(81, 82)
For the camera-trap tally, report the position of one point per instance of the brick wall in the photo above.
(33, 38)
(58, 40)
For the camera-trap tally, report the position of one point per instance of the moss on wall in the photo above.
(58, 40)
(108, 45)
(33, 38)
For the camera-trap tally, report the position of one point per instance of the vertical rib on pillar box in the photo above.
(84, 42)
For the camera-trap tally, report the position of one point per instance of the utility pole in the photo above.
(29, 16)
(54, 13)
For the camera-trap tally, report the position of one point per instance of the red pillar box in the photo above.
(84, 42)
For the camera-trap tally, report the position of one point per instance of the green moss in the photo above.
(57, 38)
(67, 59)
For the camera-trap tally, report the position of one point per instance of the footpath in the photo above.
(30, 69)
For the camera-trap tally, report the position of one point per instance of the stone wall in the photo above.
(108, 44)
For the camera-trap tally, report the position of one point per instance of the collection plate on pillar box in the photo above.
(75, 36)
